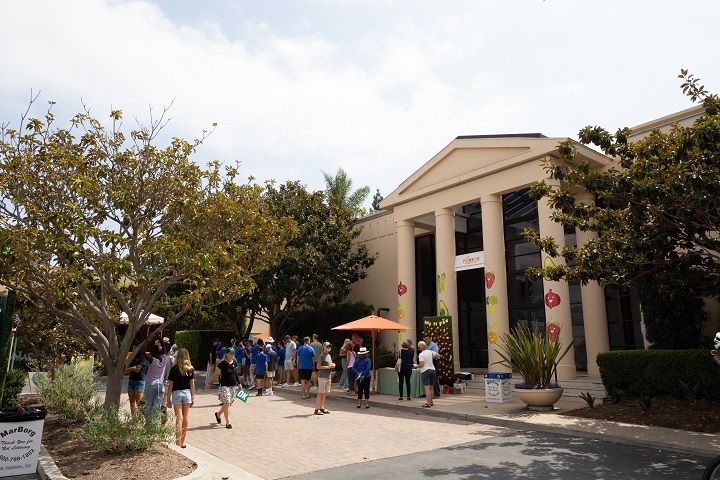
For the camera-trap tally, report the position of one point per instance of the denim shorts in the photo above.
(136, 385)
(428, 377)
(181, 396)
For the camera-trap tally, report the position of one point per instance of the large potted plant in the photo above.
(535, 357)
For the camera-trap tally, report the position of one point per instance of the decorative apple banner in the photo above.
(489, 279)
(440, 329)
(553, 331)
(552, 299)
(402, 289)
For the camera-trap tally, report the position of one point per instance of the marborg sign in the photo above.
(20, 447)
(469, 261)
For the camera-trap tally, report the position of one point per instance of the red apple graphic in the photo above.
(402, 289)
(489, 279)
(553, 331)
(552, 299)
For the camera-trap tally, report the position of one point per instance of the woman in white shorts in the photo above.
(226, 370)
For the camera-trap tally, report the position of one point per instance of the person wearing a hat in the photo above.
(363, 369)
(325, 368)
(227, 371)
(272, 363)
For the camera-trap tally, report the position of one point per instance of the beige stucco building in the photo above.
(449, 240)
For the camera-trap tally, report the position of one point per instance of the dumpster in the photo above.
(20, 438)
(497, 387)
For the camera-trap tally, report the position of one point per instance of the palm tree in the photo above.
(339, 191)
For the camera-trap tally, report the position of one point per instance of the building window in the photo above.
(471, 239)
(623, 317)
(525, 296)
(426, 296)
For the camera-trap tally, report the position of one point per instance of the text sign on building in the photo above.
(469, 261)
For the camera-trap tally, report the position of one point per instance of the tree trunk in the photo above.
(114, 386)
(250, 324)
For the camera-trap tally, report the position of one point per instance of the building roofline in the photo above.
(667, 120)
(502, 135)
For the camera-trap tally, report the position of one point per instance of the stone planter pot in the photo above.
(539, 399)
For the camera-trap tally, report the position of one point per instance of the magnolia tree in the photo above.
(95, 222)
(657, 213)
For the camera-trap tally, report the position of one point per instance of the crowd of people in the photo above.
(164, 377)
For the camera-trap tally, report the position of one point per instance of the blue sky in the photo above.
(375, 86)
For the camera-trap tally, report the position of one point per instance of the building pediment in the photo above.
(468, 158)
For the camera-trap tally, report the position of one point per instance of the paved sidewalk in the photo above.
(473, 408)
(271, 432)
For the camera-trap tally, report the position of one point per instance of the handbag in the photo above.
(398, 364)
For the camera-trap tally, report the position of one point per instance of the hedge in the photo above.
(198, 344)
(659, 372)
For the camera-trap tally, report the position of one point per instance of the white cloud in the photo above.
(378, 102)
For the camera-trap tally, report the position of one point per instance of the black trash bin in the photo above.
(20, 438)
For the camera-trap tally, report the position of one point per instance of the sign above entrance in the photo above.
(469, 261)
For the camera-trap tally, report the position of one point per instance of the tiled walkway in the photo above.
(279, 436)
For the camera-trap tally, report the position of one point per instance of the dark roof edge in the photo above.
(502, 135)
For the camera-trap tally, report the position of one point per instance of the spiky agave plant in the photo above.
(532, 354)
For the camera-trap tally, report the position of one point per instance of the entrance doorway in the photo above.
(472, 320)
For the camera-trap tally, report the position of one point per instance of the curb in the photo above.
(710, 451)
(210, 467)
(47, 469)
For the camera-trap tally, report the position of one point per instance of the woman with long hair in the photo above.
(182, 387)
(155, 380)
(136, 381)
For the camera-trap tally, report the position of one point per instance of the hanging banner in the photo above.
(469, 261)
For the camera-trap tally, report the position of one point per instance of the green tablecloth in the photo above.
(388, 383)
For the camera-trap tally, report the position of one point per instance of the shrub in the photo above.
(14, 383)
(589, 399)
(198, 343)
(71, 395)
(643, 373)
(118, 432)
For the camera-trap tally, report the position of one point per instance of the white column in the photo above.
(496, 299)
(557, 294)
(406, 275)
(593, 304)
(446, 282)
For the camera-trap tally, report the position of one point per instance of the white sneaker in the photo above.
(270, 393)
(267, 392)
(296, 384)
(313, 389)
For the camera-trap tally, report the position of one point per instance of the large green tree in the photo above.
(321, 263)
(98, 220)
(657, 212)
(340, 194)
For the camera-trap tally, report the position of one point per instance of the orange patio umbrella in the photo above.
(373, 324)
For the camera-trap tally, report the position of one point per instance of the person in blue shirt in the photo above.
(281, 363)
(256, 348)
(306, 363)
(260, 360)
(363, 368)
(219, 352)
